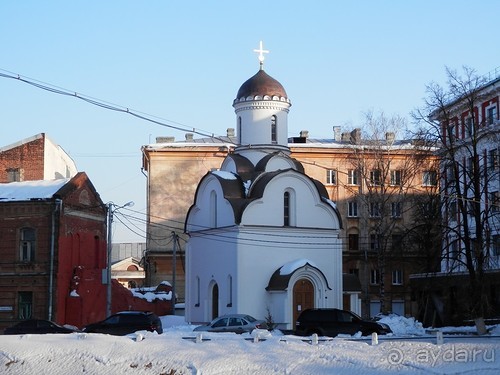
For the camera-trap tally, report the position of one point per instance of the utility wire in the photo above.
(106, 105)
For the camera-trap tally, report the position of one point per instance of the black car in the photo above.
(126, 322)
(331, 322)
(37, 326)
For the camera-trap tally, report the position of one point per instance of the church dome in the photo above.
(261, 84)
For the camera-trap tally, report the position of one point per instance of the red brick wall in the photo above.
(28, 157)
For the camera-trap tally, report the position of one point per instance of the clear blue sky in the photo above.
(183, 61)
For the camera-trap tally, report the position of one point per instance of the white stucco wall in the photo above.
(57, 163)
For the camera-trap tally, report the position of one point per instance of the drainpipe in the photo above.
(57, 208)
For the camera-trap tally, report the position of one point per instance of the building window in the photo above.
(491, 115)
(213, 209)
(14, 175)
(429, 178)
(495, 201)
(331, 177)
(374, 209)
(396, 178)
(469, 126)
(375, 177)
(374, 277)
(396, 209)
(353, 241)
(197, 291)
(25, 305)
(27, 245)
(374, 242)
(239, 129)
(352, 209)
(397, 242)
(453, 210)
(354, 271)
(286, 211)
(397, 277)
(230, 291)
(493, 159)
(496, 245)
(352, 177)
(274, 129)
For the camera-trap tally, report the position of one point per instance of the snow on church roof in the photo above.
(292, 266)
(225, 175)
(28, 190)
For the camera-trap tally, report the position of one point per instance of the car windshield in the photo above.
(251, 319)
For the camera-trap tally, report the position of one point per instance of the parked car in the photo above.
(331, 322)
(237, 323)
(38, 326)
(126, 322)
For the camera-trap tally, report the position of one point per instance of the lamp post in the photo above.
(111, 208)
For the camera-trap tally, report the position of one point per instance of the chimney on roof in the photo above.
(390, 136)
(189, 136)
(337, 135)
(356, 136)
(230, 132)
(304, 134)
(165, 139)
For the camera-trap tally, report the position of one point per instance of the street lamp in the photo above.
(111, 208)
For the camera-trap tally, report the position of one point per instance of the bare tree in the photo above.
(389, 170)
(453, 119)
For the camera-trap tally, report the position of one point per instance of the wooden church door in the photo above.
(303, 297)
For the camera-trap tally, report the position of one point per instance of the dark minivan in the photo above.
(126, 322)
(331, 322)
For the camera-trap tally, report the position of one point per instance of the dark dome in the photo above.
(261, 84)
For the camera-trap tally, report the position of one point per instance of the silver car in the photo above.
(237, 323)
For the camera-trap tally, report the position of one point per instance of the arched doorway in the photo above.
(303, 297)
(215, 301)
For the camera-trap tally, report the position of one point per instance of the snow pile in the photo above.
(403, 326)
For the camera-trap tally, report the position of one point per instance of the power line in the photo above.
(107, 105)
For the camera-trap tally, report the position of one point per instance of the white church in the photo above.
(263, 236)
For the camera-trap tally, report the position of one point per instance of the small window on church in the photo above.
(286, 213)
(274, 130)
(239, 129)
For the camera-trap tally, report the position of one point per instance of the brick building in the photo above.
(35, 158)
(53, 246)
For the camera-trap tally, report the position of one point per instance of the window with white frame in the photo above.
(374, 209)
(374, 242)
(469, 126)
(27, 244)
(396, 209)
(14, 175)
(352, 177)
(496, 245)
(491, 115)
(493, 159)
(396, 178)
(353, 241)
(375, 177)
(397, 277)
(374, 277)
(494, 201)
(352, 209)
(331, 177)
(429, 178)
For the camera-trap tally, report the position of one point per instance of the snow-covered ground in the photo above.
(410, 350)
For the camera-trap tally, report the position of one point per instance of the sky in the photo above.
(410, 351)
(182, 63)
